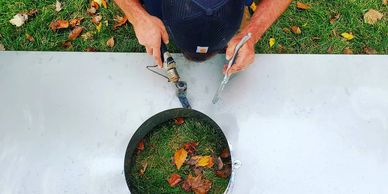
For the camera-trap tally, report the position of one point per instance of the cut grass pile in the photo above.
(160, 146)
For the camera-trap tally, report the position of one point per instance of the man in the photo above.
(201, 28)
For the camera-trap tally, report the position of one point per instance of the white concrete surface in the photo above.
(299, 123)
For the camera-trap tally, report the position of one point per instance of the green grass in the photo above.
(160, 147)
(316, 34)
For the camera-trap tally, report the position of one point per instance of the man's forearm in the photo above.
(266, 13)
(133, 9)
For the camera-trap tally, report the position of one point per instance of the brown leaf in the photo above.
(2, 48)
(190, 147)
(59, 24)
(174, 180)
(224, 173)
(372, 16)
(30, 38)
(330, 50)
(197, 184)
(179, 121)
(348, 51)
(180, 157)
(143, 168)
(385, 2)
(90, 49)
(76, 22)
(111, 42)
(334, 18)
(369, 51)
(302, 6)
(286, 30)
(31, 12)
(220, 164)
(119, 21)
(75, 32)
(197, 170)
(67, 45)
(296, 30)
(225, 153)
(96, 19)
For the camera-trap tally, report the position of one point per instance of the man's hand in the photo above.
(150, 32)
(245, 56)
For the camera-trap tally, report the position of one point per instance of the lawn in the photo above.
(318, 34)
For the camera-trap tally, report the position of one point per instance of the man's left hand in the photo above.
(245, 56)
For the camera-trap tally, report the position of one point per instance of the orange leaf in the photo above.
(111, 42)
(179, 120)
(75, 22)
(75, 33)
(180, 157)
(302, 6)
(96, 19)
(67, 45)
(119, 21)
(104, 4)
(140, 145)
(59, 24)
(296, 30)
(174, 180)
(90, 49)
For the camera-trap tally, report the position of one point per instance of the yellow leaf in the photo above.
(98, 27)
(272, 42)
(205, 161)
(253, 6)
(302, 6)
(347, 36)
(180, 157)
(104, 4)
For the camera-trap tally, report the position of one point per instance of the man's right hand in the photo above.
(150, 31)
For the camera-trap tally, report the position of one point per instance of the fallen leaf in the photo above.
(197, 184)
(180, 157)
(143, 168)
(91, 11)
(296, 30)
(19, 19)
(197, 170)
(96, 19)
(347, 36)
(286, 30)
(372, 16)
(67, 45)
(330, 50)
(75, 22)
(95, 4)
(224, 173)
(205, 161)
(87, 36)
(174, 180)
(104, 4)
(302, 6)
(348, 51)
(220, 164)
(31, 12)
(90, 49)
(140, 145)
(2, 48)
(30, 38)
(75, 32)
(225, 153)
(272, 42)
(385, 2)
(334, 18)
(58, 6)
(190, 147)
(179, 121)
(111, 42)
(119, 21)
(98, 27)
(369, 51)
(59, 24)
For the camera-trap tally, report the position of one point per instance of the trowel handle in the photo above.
(163, 49)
